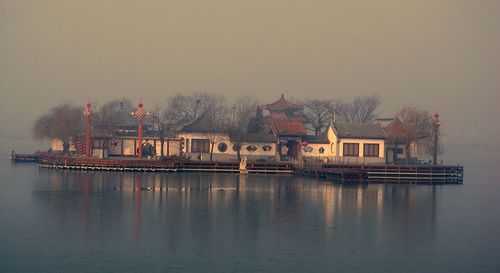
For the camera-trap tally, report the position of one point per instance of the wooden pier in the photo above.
(386, 173)
(97, 164)
(341, 173)
(153, 165)
(30, 158)
(252, 167)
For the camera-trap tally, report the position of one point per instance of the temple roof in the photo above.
(281, 105)
(288, 127)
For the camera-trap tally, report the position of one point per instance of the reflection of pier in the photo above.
(224, 206)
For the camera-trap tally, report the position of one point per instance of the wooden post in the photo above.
(139, 138)
(139, 114)
(437, 123)
(88, 139)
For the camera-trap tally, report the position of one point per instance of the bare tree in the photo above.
(113, 113)
(317, 114)
(216, 113)
(167, 119)
(63, 122)
(256, 124)
(359, 110)
(192, 107)
(418, 125)
(242, 112)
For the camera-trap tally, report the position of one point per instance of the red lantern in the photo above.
(304, 143)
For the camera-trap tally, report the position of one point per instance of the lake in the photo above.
(78, 221)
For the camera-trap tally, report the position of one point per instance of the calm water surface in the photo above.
(73, 221)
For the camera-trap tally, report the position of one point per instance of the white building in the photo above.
(200, 138)
(360, 143)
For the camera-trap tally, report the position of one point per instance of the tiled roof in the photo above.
(203, 125)
(282, 104)
(320, 139)
(277, 116)
(359, 130)
(386, 122)
(290, 127)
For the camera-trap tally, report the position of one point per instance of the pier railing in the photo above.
(386, 173)
(130, 164)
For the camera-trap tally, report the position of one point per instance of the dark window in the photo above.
(222, 147)
(370, 150)
(321, 150)
(351, 149)
(267, 148)
(200, 145)
(400, 151)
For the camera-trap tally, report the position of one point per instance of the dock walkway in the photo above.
(159, 165)
(341, 173)
(386, 173)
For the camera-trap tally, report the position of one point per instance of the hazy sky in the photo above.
(439, 55)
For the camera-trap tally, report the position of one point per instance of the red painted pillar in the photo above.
(88, 137)
(139, 137)
(436, 124)
(139, 114)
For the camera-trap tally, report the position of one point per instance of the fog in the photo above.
(440, 55)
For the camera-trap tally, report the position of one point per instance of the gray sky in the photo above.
(440, 55)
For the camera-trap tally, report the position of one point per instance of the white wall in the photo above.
(128, 147)
(229, 154)
(335, 149)
(57, 145)
(173, 148)
(315, 152)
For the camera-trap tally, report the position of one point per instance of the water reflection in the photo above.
(210, 211)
